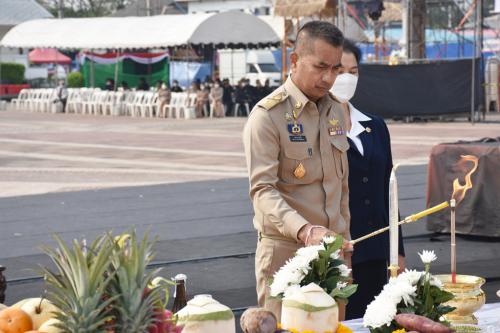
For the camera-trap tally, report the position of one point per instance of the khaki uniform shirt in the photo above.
(297, 178)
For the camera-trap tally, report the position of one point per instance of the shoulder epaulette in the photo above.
(270, 102)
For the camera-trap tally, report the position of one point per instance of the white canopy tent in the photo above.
(227, 29)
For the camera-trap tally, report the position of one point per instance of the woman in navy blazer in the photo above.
(370, 165)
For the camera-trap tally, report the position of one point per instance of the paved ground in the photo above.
(62, 173)
(42, 153)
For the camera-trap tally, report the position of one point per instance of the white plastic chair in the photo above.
(181, 105)
(127, 102)
(136, 103)
(143, 108)
(169, 108)
(19, 103)
(89, 102)
(74, 103)
(33, 100)
(190, 109)
(113, 104)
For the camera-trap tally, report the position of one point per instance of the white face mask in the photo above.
(344, 87)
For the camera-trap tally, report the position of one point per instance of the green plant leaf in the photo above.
(440, 296)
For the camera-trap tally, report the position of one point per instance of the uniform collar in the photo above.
(299, 100)
(357, 117)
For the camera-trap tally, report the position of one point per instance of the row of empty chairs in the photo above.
(94, 101)
(39, 100)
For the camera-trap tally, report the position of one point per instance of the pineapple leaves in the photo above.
(104, 286)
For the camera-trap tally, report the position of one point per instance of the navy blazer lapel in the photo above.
(367, 138)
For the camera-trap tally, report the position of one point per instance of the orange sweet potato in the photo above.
(412, 322)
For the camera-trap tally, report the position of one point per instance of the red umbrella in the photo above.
(48, 56)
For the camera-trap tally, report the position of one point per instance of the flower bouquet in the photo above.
(309, 285)
(412, 292)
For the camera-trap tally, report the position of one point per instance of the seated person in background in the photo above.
(124, 85)
(158, 85)
(250, 93)
(227, 98)
(195, 86)
(61, 94)
(201, 100)
(175, 87)
(242, 96)
(143, 85)
(216, 94)
(109, 85)
(163, 98)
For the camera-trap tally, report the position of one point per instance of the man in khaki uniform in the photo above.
(295, 147)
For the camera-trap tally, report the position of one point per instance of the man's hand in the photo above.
(313, 234)
(401, 264)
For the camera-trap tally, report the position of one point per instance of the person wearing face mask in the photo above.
(164, 96)
(296, 154)
(216, 94)
(175, 86)
(370, 165)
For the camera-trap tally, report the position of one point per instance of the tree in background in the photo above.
(75, 80)
(84, 8)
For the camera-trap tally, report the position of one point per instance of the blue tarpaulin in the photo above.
(186, 72)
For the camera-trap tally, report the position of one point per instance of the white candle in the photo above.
(393, 218)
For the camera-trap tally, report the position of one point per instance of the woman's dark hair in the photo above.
(350, 47)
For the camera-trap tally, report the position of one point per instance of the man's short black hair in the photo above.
(350, 47)
(318, 30)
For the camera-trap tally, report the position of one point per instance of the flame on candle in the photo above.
(458, 189)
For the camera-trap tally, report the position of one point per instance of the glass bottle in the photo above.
(180, 296)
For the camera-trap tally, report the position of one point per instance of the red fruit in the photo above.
(168, 314)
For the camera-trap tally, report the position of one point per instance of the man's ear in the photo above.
(294, 58)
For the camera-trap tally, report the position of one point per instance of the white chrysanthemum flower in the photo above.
(341, 285)
(380, 312)
(279, 285)
(310, 252)
(292, 290)
(411, 275)
(295, 277)
(328, 239)
(427, 256)
(300, 264)
(400, 290)
(335, 255)
(344, 270)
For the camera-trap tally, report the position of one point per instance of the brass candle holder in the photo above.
(469, 297)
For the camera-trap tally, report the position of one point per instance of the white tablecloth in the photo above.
(488, 317)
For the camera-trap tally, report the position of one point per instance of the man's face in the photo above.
(315, 71)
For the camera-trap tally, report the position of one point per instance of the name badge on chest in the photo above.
(298, 138)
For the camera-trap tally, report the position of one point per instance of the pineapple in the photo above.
(79, 285)
(137, 304)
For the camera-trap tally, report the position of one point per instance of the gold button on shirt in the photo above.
(284, 196)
